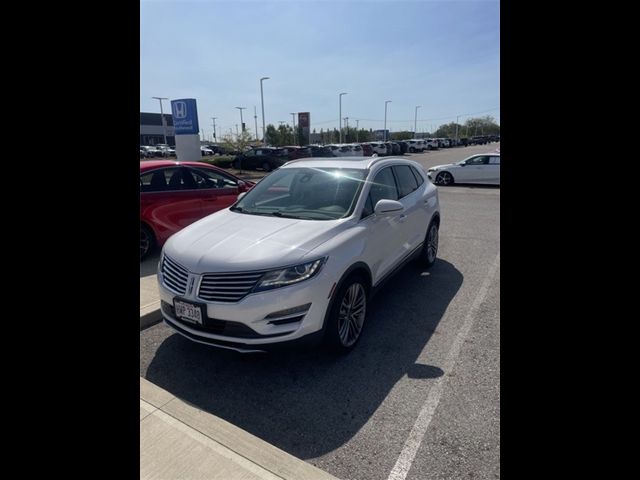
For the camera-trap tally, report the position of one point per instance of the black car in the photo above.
(266, 158)
(318, 151)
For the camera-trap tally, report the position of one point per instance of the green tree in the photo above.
(404, 135)
(272, 136)
(237, 143)
(481, 126)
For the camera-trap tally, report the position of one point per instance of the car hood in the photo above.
(445, 166)
(228, 242)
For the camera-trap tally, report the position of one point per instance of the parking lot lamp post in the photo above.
(241, 121)
(164, 124)
(415, 122)
(357, 128)
(457, 118)
(340, 114)
(385, 119)
(264, 136)
(214, 129)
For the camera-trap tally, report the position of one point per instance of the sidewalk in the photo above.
(178, 441)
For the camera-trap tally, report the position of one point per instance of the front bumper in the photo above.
(249, 324)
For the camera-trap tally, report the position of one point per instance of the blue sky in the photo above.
(442, 55)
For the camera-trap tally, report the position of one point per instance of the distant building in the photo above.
(151, 131)
(380, 134)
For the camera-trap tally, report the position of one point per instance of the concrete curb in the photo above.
(150, 315)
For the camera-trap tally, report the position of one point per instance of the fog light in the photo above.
(295, 311)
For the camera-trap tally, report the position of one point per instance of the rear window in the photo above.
(406, 180)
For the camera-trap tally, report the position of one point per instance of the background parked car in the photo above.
(206, 151)
(174, 195)
(266, 158)
(379, 148)
(320, 151)
(294, 152)
(367, 151)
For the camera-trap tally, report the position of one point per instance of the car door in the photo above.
(473, 171)
(168, 202)
(493, 170)
(385, 233)
(414, 225)
(217, 191)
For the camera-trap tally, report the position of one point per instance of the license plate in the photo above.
(188, 311)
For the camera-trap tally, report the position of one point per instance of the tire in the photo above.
(236, 164)
(266, 166)
(412, 150)
(444, 179)
(147, 241)
(344, 329)
(429, 251)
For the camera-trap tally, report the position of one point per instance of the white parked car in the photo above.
(299, 256)
(481, 168)
(379, 148)
(206, 151)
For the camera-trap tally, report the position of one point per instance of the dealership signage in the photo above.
(185, 116)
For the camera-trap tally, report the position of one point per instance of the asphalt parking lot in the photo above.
(420, 395)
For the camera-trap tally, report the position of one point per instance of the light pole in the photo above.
(457, 128)
(214, 129)
(357, 129)
(415, 122)
(255, 119)
(241, 121)
(293, 116)
(385, 119)
(164, 125)
(264, 136)
(340, 114)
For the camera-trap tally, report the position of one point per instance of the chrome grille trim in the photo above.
(174, 276)
(228, 287)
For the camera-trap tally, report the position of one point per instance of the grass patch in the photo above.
(222, 161)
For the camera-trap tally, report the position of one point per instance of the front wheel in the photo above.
(147, 241)
(347, 315)
(430, 247)
(444, 178)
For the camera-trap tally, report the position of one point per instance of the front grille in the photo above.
(227, 287)
(174, 276)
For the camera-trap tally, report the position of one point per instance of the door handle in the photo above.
(402, 217)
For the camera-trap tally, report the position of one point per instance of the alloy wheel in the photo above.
(351, 314)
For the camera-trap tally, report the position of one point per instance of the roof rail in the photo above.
(375, 159)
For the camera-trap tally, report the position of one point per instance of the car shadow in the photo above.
(311, 402)
(149, 265)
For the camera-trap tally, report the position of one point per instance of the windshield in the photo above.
(305, 193)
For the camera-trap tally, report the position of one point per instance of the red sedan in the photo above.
(176, 194)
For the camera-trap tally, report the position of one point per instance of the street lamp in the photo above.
(457, 118)
(255, 119)
(357, 129)
(293, 116)
(385, 119)
(415, 122)
(340, 114)
(164, 125)
(241, 121)
(214, 129)
(264, 136)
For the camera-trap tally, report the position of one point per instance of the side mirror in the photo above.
(387, 207)
(240, 195)
(462, 164)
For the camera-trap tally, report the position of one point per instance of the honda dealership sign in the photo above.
(185, 123)
(185, 116)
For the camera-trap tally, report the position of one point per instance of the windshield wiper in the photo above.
(236, 209)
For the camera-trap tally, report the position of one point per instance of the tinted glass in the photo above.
(383, 187)
(406, 181)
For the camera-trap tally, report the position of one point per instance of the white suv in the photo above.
(299, 256)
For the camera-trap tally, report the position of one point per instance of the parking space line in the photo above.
(419, 429)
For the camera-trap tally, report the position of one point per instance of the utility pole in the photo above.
(255, 118)
(164, 124)
(457, 118)
(385, 119)
(357, 129)
(293, 116)
(214, 129)
(340, 115)
(415, 121)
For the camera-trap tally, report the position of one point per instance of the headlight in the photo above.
(289, 275)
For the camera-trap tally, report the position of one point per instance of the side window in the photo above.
(418, 176)
(494, 160)
(406, 181)
(477, 161)
(212, 179)
(368, 207)
(383, 187)
(158, 180)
